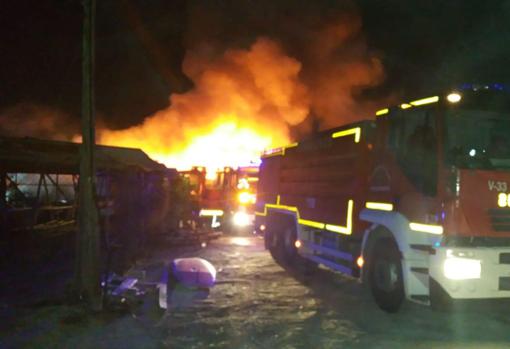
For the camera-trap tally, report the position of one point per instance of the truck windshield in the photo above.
(477, 139)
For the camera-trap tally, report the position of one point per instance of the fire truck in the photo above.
(415, 202)
(224, 199)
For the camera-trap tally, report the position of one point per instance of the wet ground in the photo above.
(257, 304)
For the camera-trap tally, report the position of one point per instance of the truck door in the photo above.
(413, 142)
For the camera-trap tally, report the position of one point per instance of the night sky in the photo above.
(423, 46)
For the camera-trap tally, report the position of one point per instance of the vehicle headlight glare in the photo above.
(462, 268)
(454, 97)
(241, 219)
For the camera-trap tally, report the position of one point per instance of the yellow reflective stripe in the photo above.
(292, 145)
(313, 224)
(334, 228)
(426, 228)
(348, 228)
(352, 131)
(423, 101)
(383, 206)
(276, 153)
(268, 205)
(382, 112)
(283, 207)
(279, 151)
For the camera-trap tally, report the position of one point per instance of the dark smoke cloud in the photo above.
(39, 121)
(325, 37)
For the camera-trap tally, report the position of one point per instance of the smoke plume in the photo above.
(34, 120)
(247, 97)
(340, 68)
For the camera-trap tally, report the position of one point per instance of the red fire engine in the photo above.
(226, 199)
(416, 202)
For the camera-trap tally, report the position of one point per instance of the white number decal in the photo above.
(503, 200)
(498, 186)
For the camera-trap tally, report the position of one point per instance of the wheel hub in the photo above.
(386, 275)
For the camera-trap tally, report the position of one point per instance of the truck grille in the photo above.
(504, 258)
(500, 219)
(504, 283)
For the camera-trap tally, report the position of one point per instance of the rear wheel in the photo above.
(289, 245)
(386, 281)
(273, 244)
(291, 259)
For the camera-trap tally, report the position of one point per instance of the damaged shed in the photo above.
(39, 185)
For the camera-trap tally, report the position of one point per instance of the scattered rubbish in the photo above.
(126, 284)
(122, 291)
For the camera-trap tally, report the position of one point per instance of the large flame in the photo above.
(242, 104)
(243, 100)
(227, 145)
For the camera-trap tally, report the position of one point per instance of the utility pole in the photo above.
(3, 203)
(88, 257)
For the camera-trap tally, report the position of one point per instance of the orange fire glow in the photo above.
(242, 103)
(227, 145)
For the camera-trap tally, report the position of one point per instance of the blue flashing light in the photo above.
(476, 87)
(437, 244)
(466, 87)
(499, 87)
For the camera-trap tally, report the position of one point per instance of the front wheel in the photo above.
(385, 275)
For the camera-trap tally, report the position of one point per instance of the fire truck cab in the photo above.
(416, 202)
(224, 199)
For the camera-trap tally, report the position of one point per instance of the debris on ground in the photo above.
(192, 274)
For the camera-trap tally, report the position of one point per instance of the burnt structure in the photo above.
(39, 187)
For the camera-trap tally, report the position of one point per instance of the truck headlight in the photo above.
(241, 219)
(246, 198)
(456, 268)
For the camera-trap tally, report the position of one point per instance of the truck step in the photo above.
(421, 298)
(330, 264)
(423, 248)
(329, 251)
(420, 270)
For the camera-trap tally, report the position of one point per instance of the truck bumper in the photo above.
(472, 273)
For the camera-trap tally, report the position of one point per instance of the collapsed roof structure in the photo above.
(31, 155)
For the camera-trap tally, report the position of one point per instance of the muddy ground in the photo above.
(255, 304)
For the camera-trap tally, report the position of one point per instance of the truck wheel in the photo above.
(292, 260)
(289, 247)
(385, 276)
(273, 244)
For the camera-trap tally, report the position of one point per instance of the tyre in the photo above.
(385, 275)
(273, 244)
(291, 259)
(289, 250)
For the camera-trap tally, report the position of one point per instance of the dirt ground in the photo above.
(254, 304)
